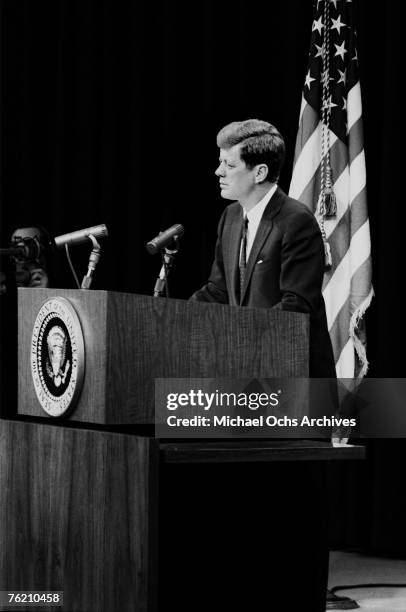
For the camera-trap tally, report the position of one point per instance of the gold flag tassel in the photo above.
(320, 216)
(330, 202)
(328, 260)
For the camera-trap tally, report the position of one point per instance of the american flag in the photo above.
(329, 157)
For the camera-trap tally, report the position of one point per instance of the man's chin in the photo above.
(226, 195)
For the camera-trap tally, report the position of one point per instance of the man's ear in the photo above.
(261, 172)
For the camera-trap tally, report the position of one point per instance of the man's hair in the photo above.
(261, 143)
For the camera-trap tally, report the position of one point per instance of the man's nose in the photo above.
(220, 170)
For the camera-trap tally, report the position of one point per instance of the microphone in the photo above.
(80, 236)
(17, 251)
(25, 249)
(164, 238)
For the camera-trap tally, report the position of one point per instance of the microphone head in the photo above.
(98, 231)
(164, 238)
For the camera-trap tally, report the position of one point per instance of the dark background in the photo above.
(109, 113)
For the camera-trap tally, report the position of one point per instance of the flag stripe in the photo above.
(302, 107)
(307, 163)
(339, 330)
(355, 140)
(358, 177)
(361, 282)
(345, 365)
(339, 285)
(354, 106)
(309, 121)
(351, 221)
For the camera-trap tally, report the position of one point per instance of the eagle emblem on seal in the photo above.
(57, 366)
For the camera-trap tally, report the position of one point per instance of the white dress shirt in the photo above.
(255, 216)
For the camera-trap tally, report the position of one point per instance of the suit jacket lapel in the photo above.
(264, 229)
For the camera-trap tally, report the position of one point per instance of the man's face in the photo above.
(29, 273)
(237, 182)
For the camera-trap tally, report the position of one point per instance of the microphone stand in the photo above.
(168, 258)
(93, 261)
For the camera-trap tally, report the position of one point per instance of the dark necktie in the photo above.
(243, 253)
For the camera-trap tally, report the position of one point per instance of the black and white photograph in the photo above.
(202, 328)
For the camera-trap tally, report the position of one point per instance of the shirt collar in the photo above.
(257, 211)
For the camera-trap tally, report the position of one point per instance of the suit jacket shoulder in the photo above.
(291, 210)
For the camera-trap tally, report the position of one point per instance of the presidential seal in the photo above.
(57, 356)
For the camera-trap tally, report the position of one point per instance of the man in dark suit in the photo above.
(269, 251)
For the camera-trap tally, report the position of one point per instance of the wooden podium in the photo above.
(121, 521)
(132, 339)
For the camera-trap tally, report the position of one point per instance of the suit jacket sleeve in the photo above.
(302, 264)
(215, 290)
